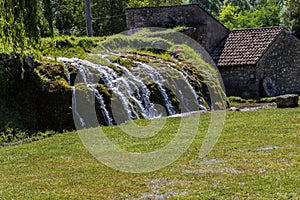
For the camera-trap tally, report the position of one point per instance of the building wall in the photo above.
(208, 31)
(279, 67)
(278, 71)
(281, 63)
(240, 81)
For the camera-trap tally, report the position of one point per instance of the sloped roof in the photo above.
(245, 47)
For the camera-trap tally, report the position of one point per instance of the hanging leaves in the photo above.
(19, 23)
(48, 15)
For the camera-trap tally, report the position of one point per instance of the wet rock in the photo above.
(29, 63)
(287, 101)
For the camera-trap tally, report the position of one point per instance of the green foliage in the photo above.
(237, 99)
(48, 28)
(229, 16)
(265, 14)
(137, 3)
(144, 3)
(19, 24)
(211, 6)
(11, 134)
(240, 102)
(290, 16)
(69, 16)
(108, 15)
(36, 101)
(242, 4)
(68, 46)
(267, 100)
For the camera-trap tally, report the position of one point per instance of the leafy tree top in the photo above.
(19, 23)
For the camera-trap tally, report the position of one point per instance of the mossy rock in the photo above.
(38, 99)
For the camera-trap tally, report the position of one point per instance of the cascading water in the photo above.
(142, 93)
(128, 86)
(87, 77)
(74, 102)
(157, 78)
(184, 77)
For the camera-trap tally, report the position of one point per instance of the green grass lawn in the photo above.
(256, 157)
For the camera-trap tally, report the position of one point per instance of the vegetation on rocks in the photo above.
(24, 97)
(42, 96)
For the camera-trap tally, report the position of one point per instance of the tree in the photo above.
(138, 3)
(242, 4)
(45, 16)
(19, 23)
(266, 13)
(164, 2)
(109, 17)
(229, 16)
(290, 16)
(211, 6)
(69, 16)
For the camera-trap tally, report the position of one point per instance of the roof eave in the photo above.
(238, 65)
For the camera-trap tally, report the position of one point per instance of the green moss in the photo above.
(44, 95)
(240, 102)
(266, 100)
(123, 61)
(39, 100)
(237, 99)
(68, 46)
(139, 58)
(127, 63)
(97, 60)
(81, 87)
(103, 90)
(116, 69)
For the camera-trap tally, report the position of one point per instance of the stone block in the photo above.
(287, 101)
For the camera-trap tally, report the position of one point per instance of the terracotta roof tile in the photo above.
(245, 47)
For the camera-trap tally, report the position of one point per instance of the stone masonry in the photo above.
(205, 29)
(282, 64)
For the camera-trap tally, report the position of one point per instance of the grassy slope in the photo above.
(61, 168)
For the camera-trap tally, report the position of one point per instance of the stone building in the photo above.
(259, 62)
(252, 62)
(200, 25)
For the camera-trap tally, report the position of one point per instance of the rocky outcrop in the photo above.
(34, 96)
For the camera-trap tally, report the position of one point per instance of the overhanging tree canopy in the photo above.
(19, 23)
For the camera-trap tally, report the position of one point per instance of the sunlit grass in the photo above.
(256, 157)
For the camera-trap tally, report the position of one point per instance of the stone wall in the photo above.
(208, 31)
(240, 81)
(281, 63)
(276, 73)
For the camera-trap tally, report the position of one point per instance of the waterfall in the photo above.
(142, 93)
(184, 77)
(128, 89)
(157, 78)
(74, 102)
(87, 77)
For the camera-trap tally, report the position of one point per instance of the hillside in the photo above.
(133, 73)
